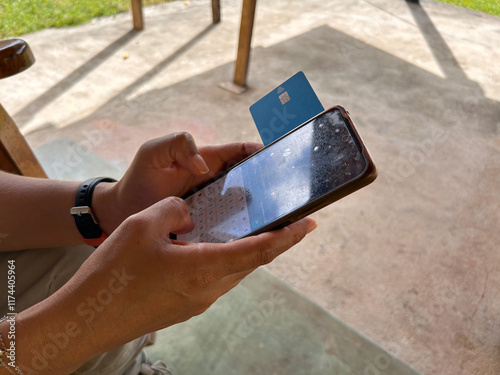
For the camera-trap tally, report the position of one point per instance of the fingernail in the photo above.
(200, 164)
(312, 226)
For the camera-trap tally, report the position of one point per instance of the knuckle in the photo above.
(266, 255)
(146, 146)
(296, 237)
(183, 137)
(177, 204)
(137, 223)
(242, 149)
(177, 207)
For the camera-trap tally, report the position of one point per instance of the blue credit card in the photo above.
(286, 107)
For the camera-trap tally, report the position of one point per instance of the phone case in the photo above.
(365, 178)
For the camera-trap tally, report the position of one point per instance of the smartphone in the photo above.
(312, 166)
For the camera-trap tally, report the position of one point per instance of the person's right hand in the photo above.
(171, 281)
(139, 281)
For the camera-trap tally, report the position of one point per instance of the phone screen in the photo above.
(303, 166)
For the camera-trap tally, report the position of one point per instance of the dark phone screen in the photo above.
(310, 162)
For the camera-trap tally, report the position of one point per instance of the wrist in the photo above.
(106, 208)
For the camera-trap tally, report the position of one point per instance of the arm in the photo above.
(35, 212)
(137, 282)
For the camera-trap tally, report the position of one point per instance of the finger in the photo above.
(254, 251)
(187, 229)
(223, 156)
(175, 148)
(170, 215)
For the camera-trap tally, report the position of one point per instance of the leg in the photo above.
(137, 18)
(244, 44)
(215, 11)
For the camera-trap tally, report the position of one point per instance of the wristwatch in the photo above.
(85, 221)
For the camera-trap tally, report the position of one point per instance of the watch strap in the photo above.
(85, 221)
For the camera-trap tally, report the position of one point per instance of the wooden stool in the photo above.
(16, 155)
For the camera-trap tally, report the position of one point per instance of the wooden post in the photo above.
(215, 11)
(16, 155)
(137, 18)
(244, 43)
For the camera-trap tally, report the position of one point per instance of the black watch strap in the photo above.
(82, 213)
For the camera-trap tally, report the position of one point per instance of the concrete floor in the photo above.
(263, 326)
(411, 261)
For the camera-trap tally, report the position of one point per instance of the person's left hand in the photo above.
(163, 167)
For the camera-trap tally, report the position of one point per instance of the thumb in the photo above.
(174, 148)
(170, 215)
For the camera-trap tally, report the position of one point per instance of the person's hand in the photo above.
(169, 281)
(139, 281)
(164, 167)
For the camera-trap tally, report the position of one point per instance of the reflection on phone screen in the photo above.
(305, 165)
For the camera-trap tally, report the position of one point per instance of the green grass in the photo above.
(19, 17)
(486, 6)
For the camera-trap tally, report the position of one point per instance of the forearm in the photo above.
(34, 213)
(74, 325)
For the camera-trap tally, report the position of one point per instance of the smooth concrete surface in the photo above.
(411, 261)
(265, 327)
(65, 159)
